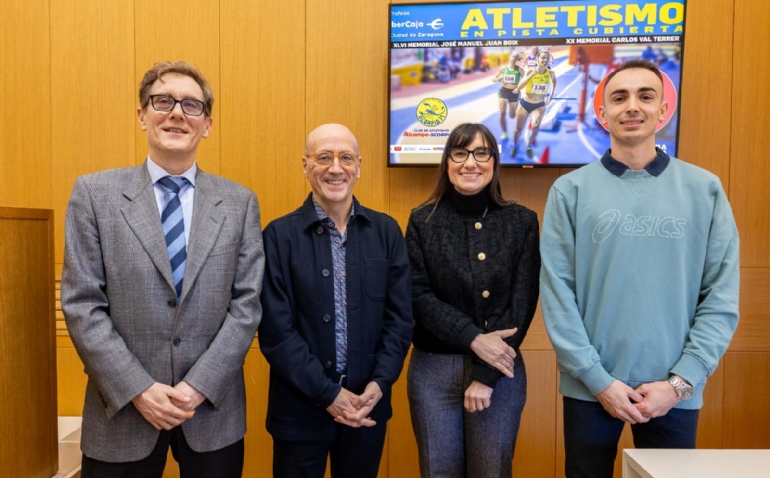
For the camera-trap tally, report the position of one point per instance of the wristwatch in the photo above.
(683, 388)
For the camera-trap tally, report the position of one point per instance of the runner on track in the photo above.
(535, 86)
(508, 96)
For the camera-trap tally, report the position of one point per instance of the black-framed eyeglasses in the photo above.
(166, 103)
(461, 155)
(326, 158)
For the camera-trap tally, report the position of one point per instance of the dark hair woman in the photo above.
(475, 264)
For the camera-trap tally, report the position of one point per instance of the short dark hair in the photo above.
(461, 137)
(635, 63)
(182, 68)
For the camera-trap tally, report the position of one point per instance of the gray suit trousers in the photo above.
(452, 442)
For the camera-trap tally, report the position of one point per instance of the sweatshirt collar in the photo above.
(656, 167)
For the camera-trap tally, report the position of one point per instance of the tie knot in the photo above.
(173, 183)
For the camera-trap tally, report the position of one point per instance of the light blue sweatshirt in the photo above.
(640, 275)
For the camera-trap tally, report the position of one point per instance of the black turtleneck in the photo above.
(472, 276)
(470, 206)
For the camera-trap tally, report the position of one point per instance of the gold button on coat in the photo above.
(478, 225)
(482, 256)
(485, 294)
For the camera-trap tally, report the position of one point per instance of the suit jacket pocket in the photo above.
(220, 250)
(93, 388)
(376, 278)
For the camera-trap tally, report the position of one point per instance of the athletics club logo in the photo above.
(431, 112)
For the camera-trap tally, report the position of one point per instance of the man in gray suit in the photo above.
(160, 291)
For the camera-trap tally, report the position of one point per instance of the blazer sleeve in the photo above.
(215, 370)
(397, 323)
(115, 370)
(282, 345)
(524, 294)
(443, 320)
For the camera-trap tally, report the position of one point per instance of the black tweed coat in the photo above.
(472, 275)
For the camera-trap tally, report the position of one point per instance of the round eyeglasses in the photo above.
(460, 155)
(165, 103)
(326, 158)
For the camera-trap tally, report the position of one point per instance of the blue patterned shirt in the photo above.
(340, 292)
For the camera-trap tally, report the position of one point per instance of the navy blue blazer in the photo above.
(297, 330)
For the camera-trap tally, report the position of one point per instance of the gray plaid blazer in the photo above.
(122, 313)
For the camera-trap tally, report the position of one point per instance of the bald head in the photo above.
(332, 165)
(331, 133)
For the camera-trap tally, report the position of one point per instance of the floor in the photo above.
(69, 448)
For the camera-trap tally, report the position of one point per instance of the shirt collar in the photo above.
(656, 167)
(157, 173)
(322, 214)
(311, 217)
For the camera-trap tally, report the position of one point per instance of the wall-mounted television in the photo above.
(450, 63)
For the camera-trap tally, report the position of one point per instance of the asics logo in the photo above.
(669, 227)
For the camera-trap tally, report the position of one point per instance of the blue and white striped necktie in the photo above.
(173, 228)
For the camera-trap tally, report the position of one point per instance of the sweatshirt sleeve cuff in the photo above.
(466, 336)
(690, 369)
(595, 378)
(486, 375)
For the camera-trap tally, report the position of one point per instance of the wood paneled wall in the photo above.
(69, 72)
(28, 367)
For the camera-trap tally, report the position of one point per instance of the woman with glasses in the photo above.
(475, 264)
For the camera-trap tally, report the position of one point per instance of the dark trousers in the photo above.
(591, 436)
(353, 453)
(452, 442)
(226, 462)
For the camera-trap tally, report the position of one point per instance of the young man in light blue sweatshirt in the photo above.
(639, 284)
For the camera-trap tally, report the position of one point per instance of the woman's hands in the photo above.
(477, 397)
(493, 350)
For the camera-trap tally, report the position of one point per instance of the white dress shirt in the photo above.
(186, 194)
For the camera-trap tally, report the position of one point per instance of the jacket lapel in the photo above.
(207, 220)
(142, 217)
